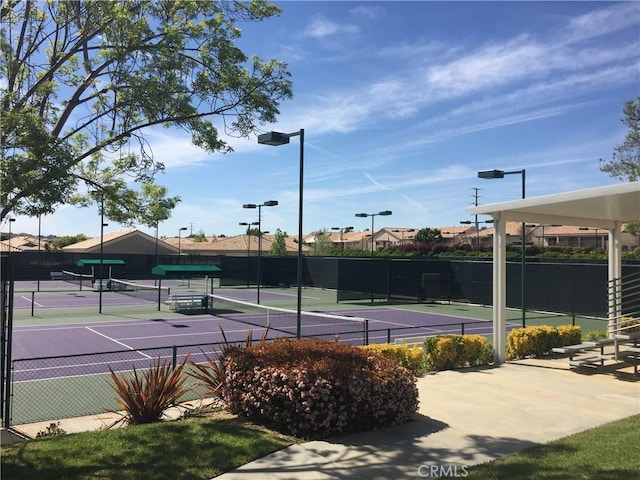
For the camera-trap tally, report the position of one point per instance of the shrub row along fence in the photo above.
(73, 386)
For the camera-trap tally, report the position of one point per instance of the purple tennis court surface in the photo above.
(133, 339)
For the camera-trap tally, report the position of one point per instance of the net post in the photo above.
(159, 292)
(366, 331)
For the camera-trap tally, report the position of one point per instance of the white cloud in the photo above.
(322, 27)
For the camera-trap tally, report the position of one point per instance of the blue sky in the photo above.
(402, 103)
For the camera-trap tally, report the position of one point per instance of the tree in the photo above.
(428, 235)
(321, 243)
(200, 237)
(625, 161)
(279, 246)
(83, 82)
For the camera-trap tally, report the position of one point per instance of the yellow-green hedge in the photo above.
(408, 357)
(538, 340)
(626, 322)
(455, 351)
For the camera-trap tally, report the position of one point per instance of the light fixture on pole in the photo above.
(180, 230)
(595, 243)
(268, 203)
(342, 231)
(101, 269)
(11, 220)
(248, 225)
(491, 174)
(276, 139)
(476, 222)
(383, 213)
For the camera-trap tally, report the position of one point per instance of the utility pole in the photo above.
(475, 197)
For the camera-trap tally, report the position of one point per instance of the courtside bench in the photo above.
(187, 302)
(411, 341)
(56, 275)
(574, 350)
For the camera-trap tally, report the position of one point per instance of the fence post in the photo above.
(33, 302)
(174, 359)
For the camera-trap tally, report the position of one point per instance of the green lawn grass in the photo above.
(609, 452)
(197, 448)
(201, 448)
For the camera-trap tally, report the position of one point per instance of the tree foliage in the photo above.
(428, 235)
(625, 161)
(322, 244)
(279, 245)
(83, 82)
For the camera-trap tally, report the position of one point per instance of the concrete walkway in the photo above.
(466, 417)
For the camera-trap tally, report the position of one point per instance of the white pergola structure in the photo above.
(605, 208)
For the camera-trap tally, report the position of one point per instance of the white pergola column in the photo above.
(615, 272)
(499, 290)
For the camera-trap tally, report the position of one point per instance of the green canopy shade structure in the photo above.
(90, 262)
(190, 270)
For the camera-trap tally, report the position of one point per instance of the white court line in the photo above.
(116, 341)
(29, 300)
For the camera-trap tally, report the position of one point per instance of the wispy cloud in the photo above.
(321, 27)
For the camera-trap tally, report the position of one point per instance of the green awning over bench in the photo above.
(193, 270)
(90, 261)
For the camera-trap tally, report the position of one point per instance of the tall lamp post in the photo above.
(477, 227)
(11, 220)
(182, 229)
(248, 225)
(383, 213)
(268, 203)
(101, 269)
(491, 174)
(342, 230)
(276, 139)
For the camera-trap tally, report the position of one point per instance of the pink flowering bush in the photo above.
(317, 388)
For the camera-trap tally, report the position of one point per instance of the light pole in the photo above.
(595, 244)
(11, 220)
(491, 174)
(182, 229)
(476, 222)
(248, 225)
(342, 230)
(268, 203)
(383, 213)
(101, 269)
(276, 139)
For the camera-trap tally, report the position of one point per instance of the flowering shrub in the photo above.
(455, 351)
(538, 340)
(317, 388)
(408, 357)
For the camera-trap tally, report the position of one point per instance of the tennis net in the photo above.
(152, 293)
(312, 324)
(80, 279)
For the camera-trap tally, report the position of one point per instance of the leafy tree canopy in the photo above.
(82, 81)
(199, 237)
(428, 235)
(279, 246)
(625, 161)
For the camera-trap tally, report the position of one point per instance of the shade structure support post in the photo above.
(499, 291)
